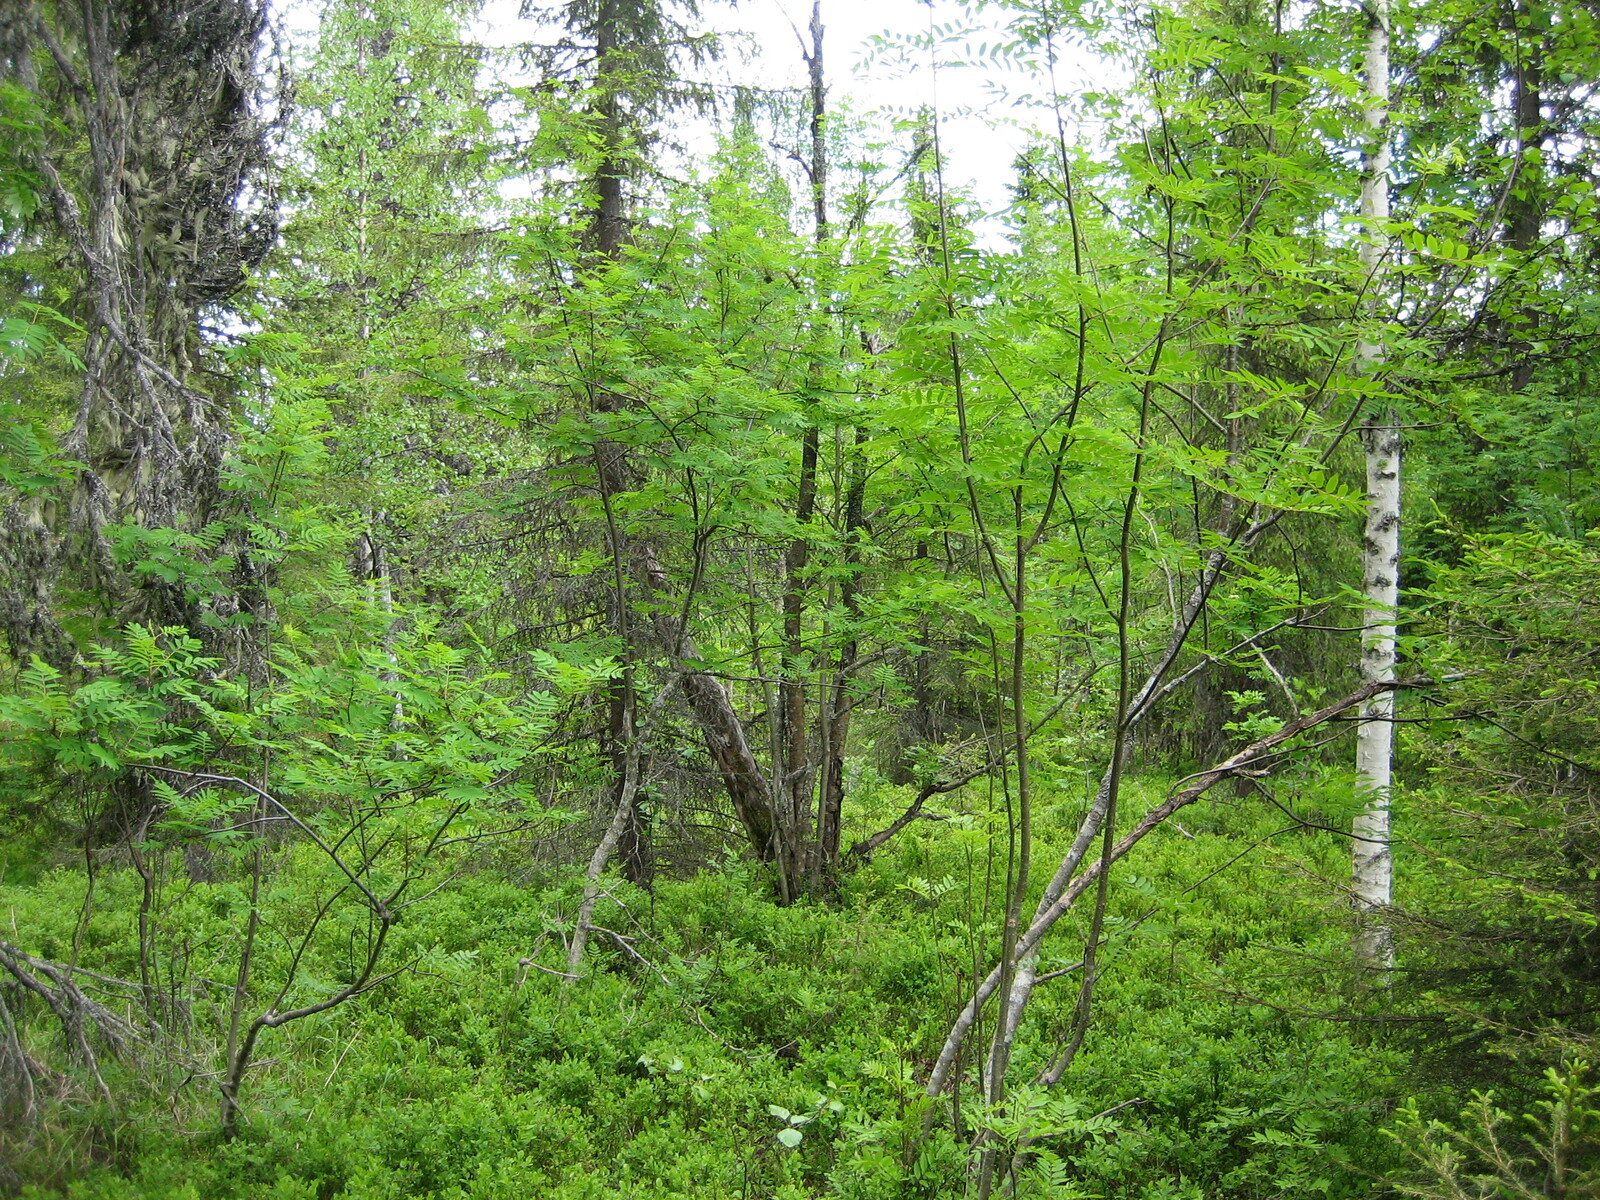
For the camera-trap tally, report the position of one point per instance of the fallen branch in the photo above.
(76, 1013)
(863, 850)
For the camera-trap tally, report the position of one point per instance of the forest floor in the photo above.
(1221, 1063)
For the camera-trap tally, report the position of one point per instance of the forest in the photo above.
(582, 615)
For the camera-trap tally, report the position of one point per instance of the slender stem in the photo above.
(1372, 867)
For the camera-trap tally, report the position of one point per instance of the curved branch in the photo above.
(1049, 913)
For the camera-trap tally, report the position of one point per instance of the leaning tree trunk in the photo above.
(1372, 868)
(1249, 530)
(638, 574)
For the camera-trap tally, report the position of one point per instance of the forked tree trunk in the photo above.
(1372, 868)
(616, 472)
(621, 815)
(795, 773)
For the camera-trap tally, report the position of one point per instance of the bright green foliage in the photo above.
(503, 481)
(474, 1073)
(19, 182)
(1482, 1155)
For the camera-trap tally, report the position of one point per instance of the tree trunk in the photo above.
(626, 792)
(1525, 202)
(720, 727)
(1056, 902)
(1372, 868)
(830, 808)
(797, 778)
(608, 221)
(756, 806)
(142, 176)
(1063, 882)
(793, 794)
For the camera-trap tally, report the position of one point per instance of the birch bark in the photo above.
(1372, 868)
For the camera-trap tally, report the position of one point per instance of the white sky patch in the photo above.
(987, 97)
(980, 132)
(979, 137)
(988, 101)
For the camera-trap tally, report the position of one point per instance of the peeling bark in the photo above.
(1372, 869)
(160, 136)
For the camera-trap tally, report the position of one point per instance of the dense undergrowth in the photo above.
(519, 494)
(713, 1020)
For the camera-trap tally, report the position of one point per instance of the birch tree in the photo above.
(1219, 189)
(1372, 867)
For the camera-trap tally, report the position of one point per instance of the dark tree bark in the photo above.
(160, 135)
(830, 809)
(1525, 205)
(629, 41)
(798, 770)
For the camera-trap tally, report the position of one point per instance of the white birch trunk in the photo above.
(1372, 868)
